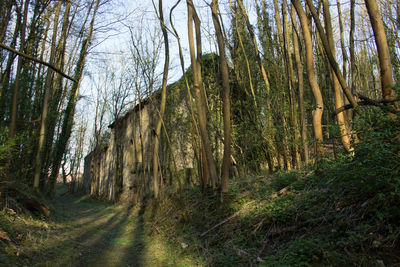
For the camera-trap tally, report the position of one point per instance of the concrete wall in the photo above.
(126, 163)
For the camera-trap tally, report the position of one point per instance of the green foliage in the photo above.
(5, 146)
(283, 179)
(337, 212)
(375, 168)
(301, 252)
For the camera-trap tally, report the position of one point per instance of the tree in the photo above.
(300, 84)
(162, 102)
(70, 109)
(317, 113)
(336, 86)
(383, 53)
(226, 161)
(48, 84)
(195, 57)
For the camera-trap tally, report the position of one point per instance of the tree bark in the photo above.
(48, 85)
(70, 109)
(226, 161)
(329, 54)
(383, 52)
(156, 184)
(336, 86)
(199, 89)
(13, 121)
(317, 113)
(300, 84)
(296, 161)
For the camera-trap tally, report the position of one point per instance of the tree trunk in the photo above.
(199, 89)
(336, 86)
(317, 113)
(43, 120)
(329, 54)
(13, 121)
(162, 104)
(226, 161)
(296, 161)
(300, 84)
(6, 7)
(383, 53)
(70, 109)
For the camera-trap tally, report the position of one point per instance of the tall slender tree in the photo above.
(156, 183)
(226, 161)
(383, 52)
(195, 57)
(70, 108)
(317, 113)
(336, 86)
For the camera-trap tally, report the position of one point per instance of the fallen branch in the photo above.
(365, 101)
(225, 220)
(37, 60)
(281, 192)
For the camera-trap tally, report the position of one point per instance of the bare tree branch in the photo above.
(37, 60)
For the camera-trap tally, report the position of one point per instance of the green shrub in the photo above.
(283, 179)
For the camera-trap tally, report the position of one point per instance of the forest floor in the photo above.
(340, 213)
(86, 232)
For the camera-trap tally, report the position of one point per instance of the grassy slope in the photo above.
(343, 212)
(322, 218)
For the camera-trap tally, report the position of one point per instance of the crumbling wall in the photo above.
(123, 170)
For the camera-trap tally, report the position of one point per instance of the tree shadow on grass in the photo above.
(87, 242)
(134, 250)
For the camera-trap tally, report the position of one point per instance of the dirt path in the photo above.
(101, 234)
(84, 232)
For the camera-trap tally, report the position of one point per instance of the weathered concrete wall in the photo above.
(123, 169)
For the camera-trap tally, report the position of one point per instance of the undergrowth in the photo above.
(341, 211)
(336, 212)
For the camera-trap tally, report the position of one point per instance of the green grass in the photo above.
(86, 232)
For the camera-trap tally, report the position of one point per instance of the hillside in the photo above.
(339, 212)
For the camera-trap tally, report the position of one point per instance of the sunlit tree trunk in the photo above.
(383, 52)
(226, 161)
(265, 77)
(279, 25)
(67, 122)
(199, 89)
(291, 83)
(317, 113)
(195, 129)
(300, 84)
(156, 184)
(329, 54)
(58, 90)
(336, 86)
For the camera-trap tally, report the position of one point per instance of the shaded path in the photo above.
(86, 232)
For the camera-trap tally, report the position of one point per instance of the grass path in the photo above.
(85, 232)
